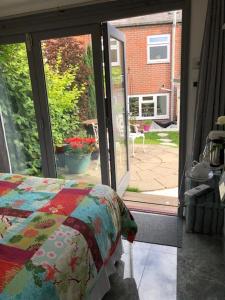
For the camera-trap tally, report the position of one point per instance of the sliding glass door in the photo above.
(54, 101)
(115, 76)
(67, 68)
(20, 146)
(70, 83)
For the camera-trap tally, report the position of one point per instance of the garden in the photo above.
(71, 98)
(153, 138)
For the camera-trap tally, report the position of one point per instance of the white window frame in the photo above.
(157, 44)
(141, 101)
(117, 48)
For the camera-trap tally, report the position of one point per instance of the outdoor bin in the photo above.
(204, 211)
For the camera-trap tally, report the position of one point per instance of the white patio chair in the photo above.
(135, 133)
(95, 131)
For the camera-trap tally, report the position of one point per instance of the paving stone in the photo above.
(164, 172)
(165, 140)
(162, 134)
(156, 169)
(168, 165)
(169, 144)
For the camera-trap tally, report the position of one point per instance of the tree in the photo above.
(91, 95)
(63, 97)
(17, 106)
(75, 53)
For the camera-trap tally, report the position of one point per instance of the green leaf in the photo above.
(15, 239)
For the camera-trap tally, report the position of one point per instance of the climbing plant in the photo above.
(16, 103)
(18, 110)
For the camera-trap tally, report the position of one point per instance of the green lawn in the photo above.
(133, 189)
(153, 138)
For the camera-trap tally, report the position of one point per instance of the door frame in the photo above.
(96, 13)
(108, 31)
(22, 38)
(40, 97)
(95, 31)
(86, 14)
(5, 163)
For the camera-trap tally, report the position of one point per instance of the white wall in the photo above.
(198, 15)
(11, 8)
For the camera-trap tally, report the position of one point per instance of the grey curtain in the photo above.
(211, 86)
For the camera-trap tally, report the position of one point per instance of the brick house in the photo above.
(153, 60)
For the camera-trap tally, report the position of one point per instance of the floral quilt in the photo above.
(56, 236)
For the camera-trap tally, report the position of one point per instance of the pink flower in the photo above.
(39, 253)
(60, 233)
(29, 188)
(59, 244)
(52, 237)
(51, 254)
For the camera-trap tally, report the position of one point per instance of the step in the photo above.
(153, 208)
(150, 199)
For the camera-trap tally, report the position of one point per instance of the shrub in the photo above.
(63, 97)
(64, 94)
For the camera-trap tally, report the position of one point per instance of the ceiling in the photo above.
(12, 8)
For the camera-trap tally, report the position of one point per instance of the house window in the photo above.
(158, 48)
(161, 106)
(154, 106)
(134, 106)
(115, 53)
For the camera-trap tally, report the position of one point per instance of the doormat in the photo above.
(158, 229)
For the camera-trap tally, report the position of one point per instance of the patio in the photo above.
(154, 169)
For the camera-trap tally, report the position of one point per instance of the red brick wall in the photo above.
(84, 39)
(144, 78)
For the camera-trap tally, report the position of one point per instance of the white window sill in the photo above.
(151, 118)
(115, 64)
(158, 62)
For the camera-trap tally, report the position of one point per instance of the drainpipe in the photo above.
(173, 64)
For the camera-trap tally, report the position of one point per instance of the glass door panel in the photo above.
(119, 109)
(115, 77)
(17, 114)
(69, 74)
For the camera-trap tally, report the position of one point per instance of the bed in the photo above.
(59, 239)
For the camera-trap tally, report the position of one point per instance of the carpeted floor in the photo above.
(158, 229)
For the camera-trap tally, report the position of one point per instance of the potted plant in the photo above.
(78, 154)
(147, 125)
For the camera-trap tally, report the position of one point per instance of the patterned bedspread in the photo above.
(56, 236)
